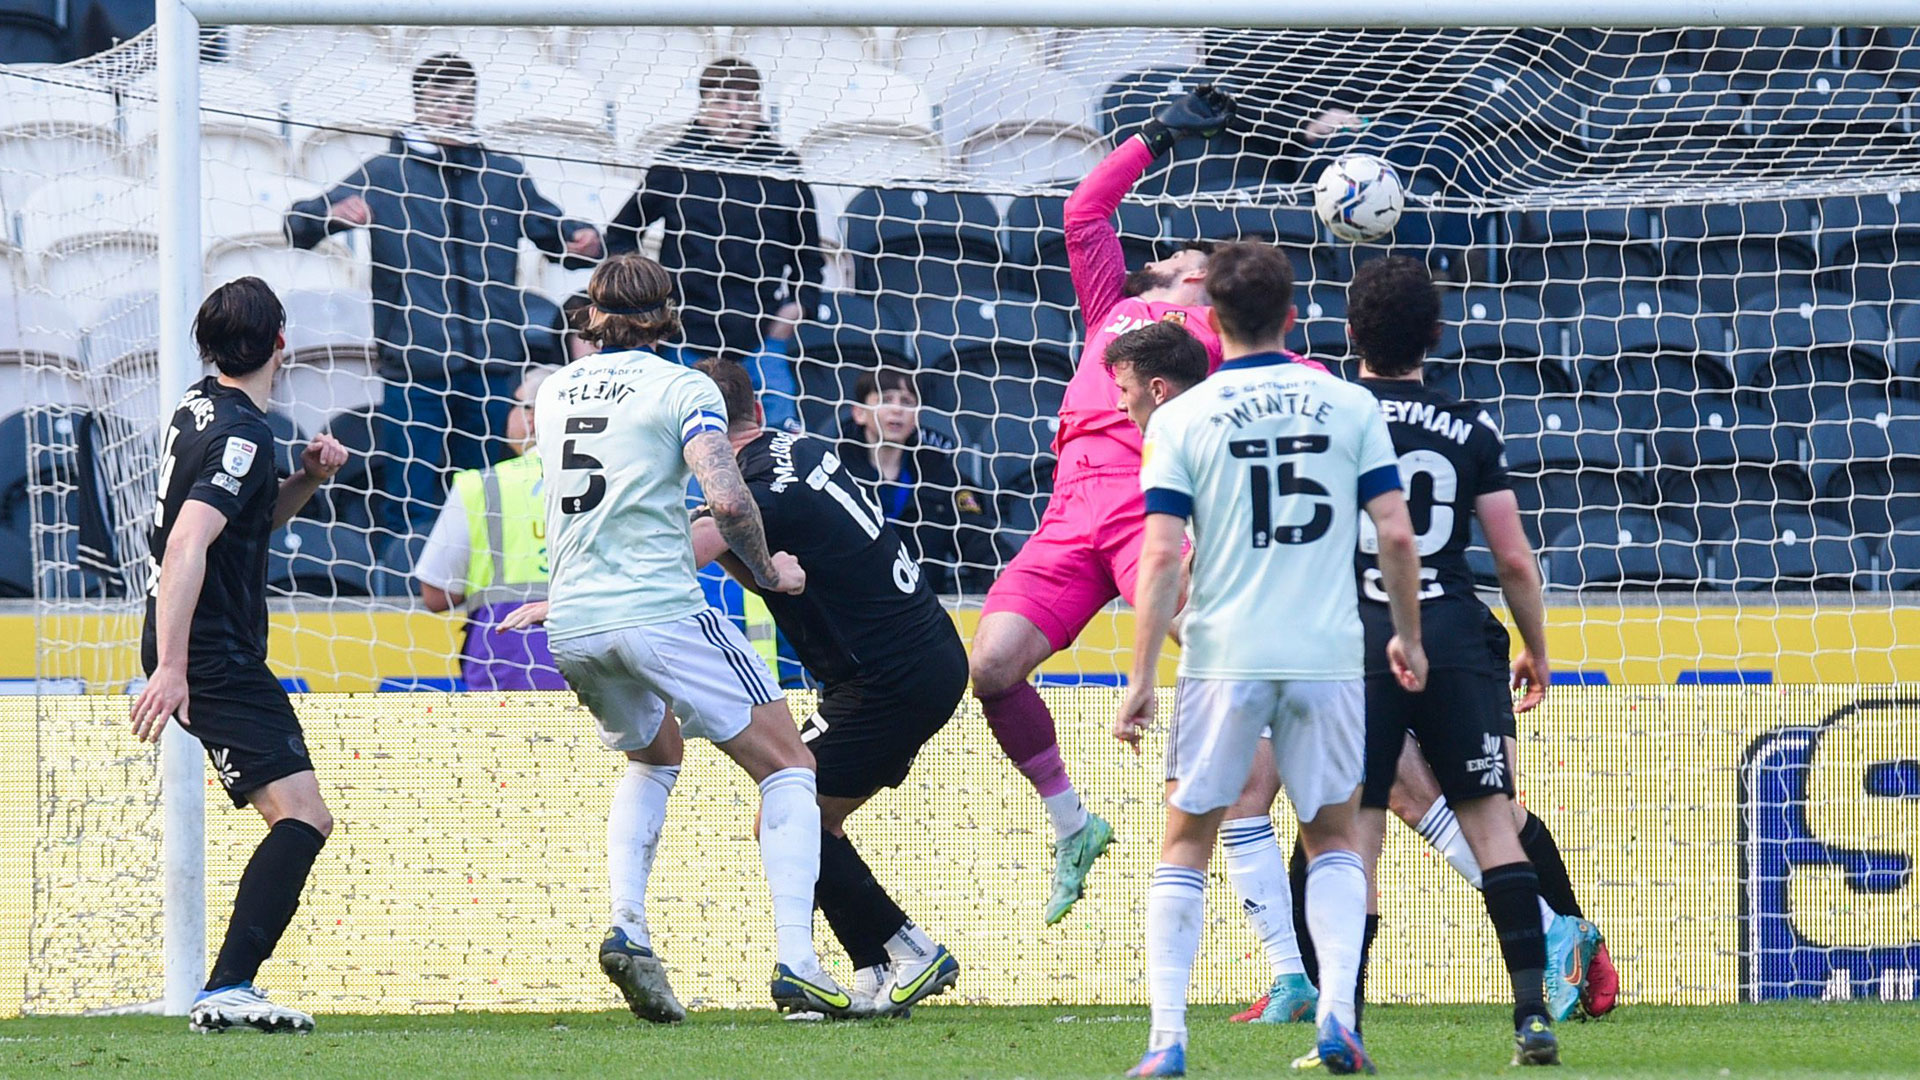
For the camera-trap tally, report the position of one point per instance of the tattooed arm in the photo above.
(710, 457)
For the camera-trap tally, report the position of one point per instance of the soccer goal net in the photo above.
(1681, 268)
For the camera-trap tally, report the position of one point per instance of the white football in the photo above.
(1360, 197)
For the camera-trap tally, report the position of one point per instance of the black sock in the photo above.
(1297, 884)
(269, 894)
(1360, 988)
(860, 912)
(1512, 893)
(1556, 888)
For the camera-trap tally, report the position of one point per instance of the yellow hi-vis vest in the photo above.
(506, 532)
(760, 630)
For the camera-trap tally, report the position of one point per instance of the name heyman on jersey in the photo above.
(1423, 414)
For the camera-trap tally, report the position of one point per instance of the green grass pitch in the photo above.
(941, 1042)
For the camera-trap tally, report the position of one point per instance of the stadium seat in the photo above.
(1674, 123)
(1864, 463)
(1900, 557)
(391, 575)
(53, 123)
(242, 125)
(1642, 350)
(1715, 460)
(287, 55)
(896, 155)
(1905, 358)
(1294, 229)
(125, 326)
(1502, 345)
(1099, 56)
(358, 485)
(543, 100)
(92, 238)
(1564, 456)
(1893, 49)
(16, 554)
(781, 52)
(311, 558)
(1751, 54)
(1870, 246)
(1320, 324)
(1800, 354)
(1486, 573)
(1787, 549)
(843, 340)
(503, 49)
(1622, 549)
(1559, 252)
(353, 112)
(942, 57)
(846, 95)
(1019, 123)
(980, 332)
(1841, 121)
(1738, 251)
(1007, 416)
(657, 63)
(1036, 246)
(915, 242)
(38, 331)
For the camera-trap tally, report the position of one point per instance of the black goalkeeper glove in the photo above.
(1204, 112)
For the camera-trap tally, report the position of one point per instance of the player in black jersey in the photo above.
(1451, 458)
(204, 646)
(891, 669)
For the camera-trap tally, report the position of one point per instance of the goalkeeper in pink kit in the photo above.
(1087, 549)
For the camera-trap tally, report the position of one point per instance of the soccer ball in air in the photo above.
(1360, 197)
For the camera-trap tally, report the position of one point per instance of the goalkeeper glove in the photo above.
(1204, 112)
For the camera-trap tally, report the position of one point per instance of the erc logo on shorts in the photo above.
(1829, 841)
(1491, 765)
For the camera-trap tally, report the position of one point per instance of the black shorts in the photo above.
(868, 730)
(242, 715)
(1461, 721)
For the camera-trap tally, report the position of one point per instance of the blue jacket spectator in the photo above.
(445, 217)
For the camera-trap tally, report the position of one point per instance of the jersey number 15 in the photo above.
(1284, 478)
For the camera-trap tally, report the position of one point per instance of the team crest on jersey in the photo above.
(239, 455)
(1177, 317)
(967, 501)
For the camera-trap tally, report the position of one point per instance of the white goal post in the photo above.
(178, 177)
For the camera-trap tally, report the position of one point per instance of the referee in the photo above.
(205, 639)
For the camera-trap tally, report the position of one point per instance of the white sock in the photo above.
(633, 836)
(1067, 812)
(1258, 873)
(1547, 915)
(1440, 829)
(911, 947)
(1337, 919)
(1176, 908)
(790, 852)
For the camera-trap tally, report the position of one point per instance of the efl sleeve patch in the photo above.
(237, 460)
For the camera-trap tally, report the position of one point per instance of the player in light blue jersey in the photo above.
(1268, 459)
(620, 433)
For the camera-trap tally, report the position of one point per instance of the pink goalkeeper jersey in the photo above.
(1090, 412)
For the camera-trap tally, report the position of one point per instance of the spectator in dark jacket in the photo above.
(445, 217)
(912, 474)
(741, 245)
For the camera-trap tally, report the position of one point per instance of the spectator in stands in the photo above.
(911, 472)
(445, 217)
(741, 245)
(488, 551)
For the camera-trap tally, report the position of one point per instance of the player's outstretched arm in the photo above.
(1156, 599)
(1499, 514)
(182, 574)
(1094, 256)
(318, 462)
(710, 456)
(1400, 571)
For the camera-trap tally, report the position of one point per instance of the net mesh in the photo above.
(1677, 265)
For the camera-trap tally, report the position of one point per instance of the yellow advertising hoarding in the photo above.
(467, 868)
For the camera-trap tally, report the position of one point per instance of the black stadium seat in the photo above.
(1801, 354)
(833, 349)
(1734, 252)
(1565, 456)
(1864, 464)
(1870, 246)
(1554, 253)
(1622, 549)
(312, 558)
(1643, 350)
(1790, 550)
(915, 241)
(1714, 460)
(1900, 557)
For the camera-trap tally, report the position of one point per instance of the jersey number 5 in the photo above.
(571, 458)
(1283, 477)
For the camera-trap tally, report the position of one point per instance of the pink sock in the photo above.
(1022, 725)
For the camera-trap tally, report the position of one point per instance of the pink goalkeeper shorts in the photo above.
(1085, 553)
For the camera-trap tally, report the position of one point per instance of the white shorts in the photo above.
(1319, 732)
(701, 666)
